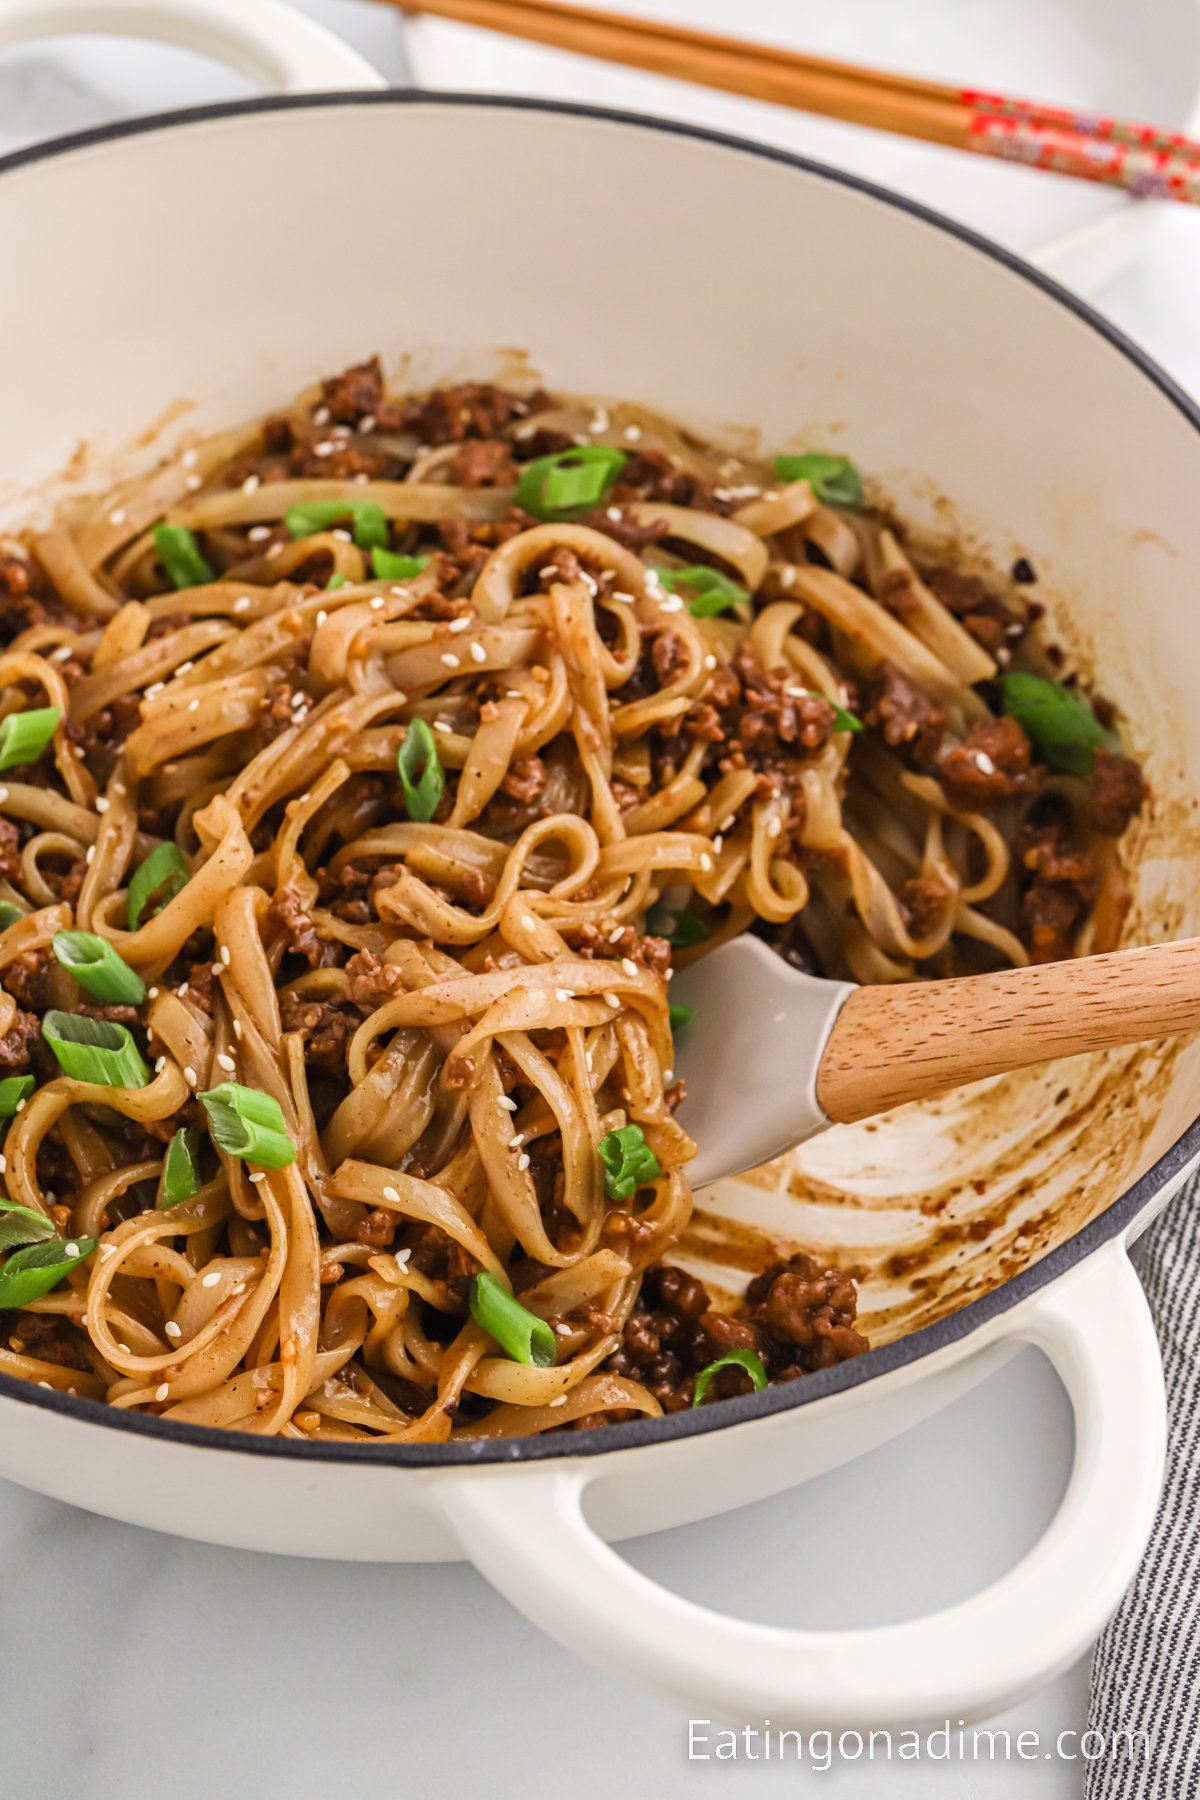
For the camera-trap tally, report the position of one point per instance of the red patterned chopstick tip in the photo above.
(1147, 171)
(1077, 121)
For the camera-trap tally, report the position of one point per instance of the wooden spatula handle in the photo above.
(892, 1044)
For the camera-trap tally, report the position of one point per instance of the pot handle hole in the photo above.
(526, 1530)
(270, 43)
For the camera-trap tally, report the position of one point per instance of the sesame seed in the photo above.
(124, 1348)
(324, 448)
(706, 863)
(614, 937)
(599, 420)
(402, 1257)
(250, 485)
(627, 599)
(182, 989)
(718, 844)
(257, 533)
(774, 827)
(237, 1028)
(612, 1000)
(478, 653)
(242, 603)
(984, 763)
(613, 513)
(108, 1249)
(729, 823)
(117, 516)
(463, 624)
(91, 853)
(102, 804)
(392, 1194)
(563, 994)
(193, 706)
(523, 1160)
(672, 603)
(225, 955)
(506, 1103)
(152, 993)
(441, 725)
(71, 1250)
(160, 1065)
(559, 1400)
(710, 661)
(633, 434)
(192, 483)
(21, 1105)
(787, 576)
(172, 1329)
(377, 603)
(189, 1075)
(226, 1062)
(321, 415)
(321, 617)
(211, 1279)
(342, 535)
(3, 795)
(528, 921)
(188, 459)
(629, 966)
(162, 1390)
(668, 1077)
(256, 1177)
(156, 687)
(367, 424)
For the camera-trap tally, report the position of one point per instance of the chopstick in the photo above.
(1142, 159)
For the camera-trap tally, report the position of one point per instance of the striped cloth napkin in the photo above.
(1146, 1670)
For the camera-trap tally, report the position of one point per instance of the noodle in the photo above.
(397, 809)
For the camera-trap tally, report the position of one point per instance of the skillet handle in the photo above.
(274, 46)
(525, 1530)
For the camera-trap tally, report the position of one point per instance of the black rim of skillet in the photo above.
(790, 1395)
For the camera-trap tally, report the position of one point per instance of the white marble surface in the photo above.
(176, 1669)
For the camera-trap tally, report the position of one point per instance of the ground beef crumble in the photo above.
(799, 1316)
(993, 762)
(905, 718)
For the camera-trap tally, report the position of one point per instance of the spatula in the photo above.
(772, 1056)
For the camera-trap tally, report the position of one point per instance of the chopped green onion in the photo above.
(97, 968)
(1061, 725)
(519, 1333)
(180, 1178)
(10, 913)
(30, 1273)
(629, 1162)
(422, 791)
(738, 1359)
(833, 479)
(679, 1015)
(367, 517)
(94, 1050)
(24, 735)
(843, 720)
(180, 556)
(13, 1090)
(335, 582)
(681, 928)
(714, 592)
(22, 1225)
(163, 874)
(391, 567)
(568, 483)
(244, 1122)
